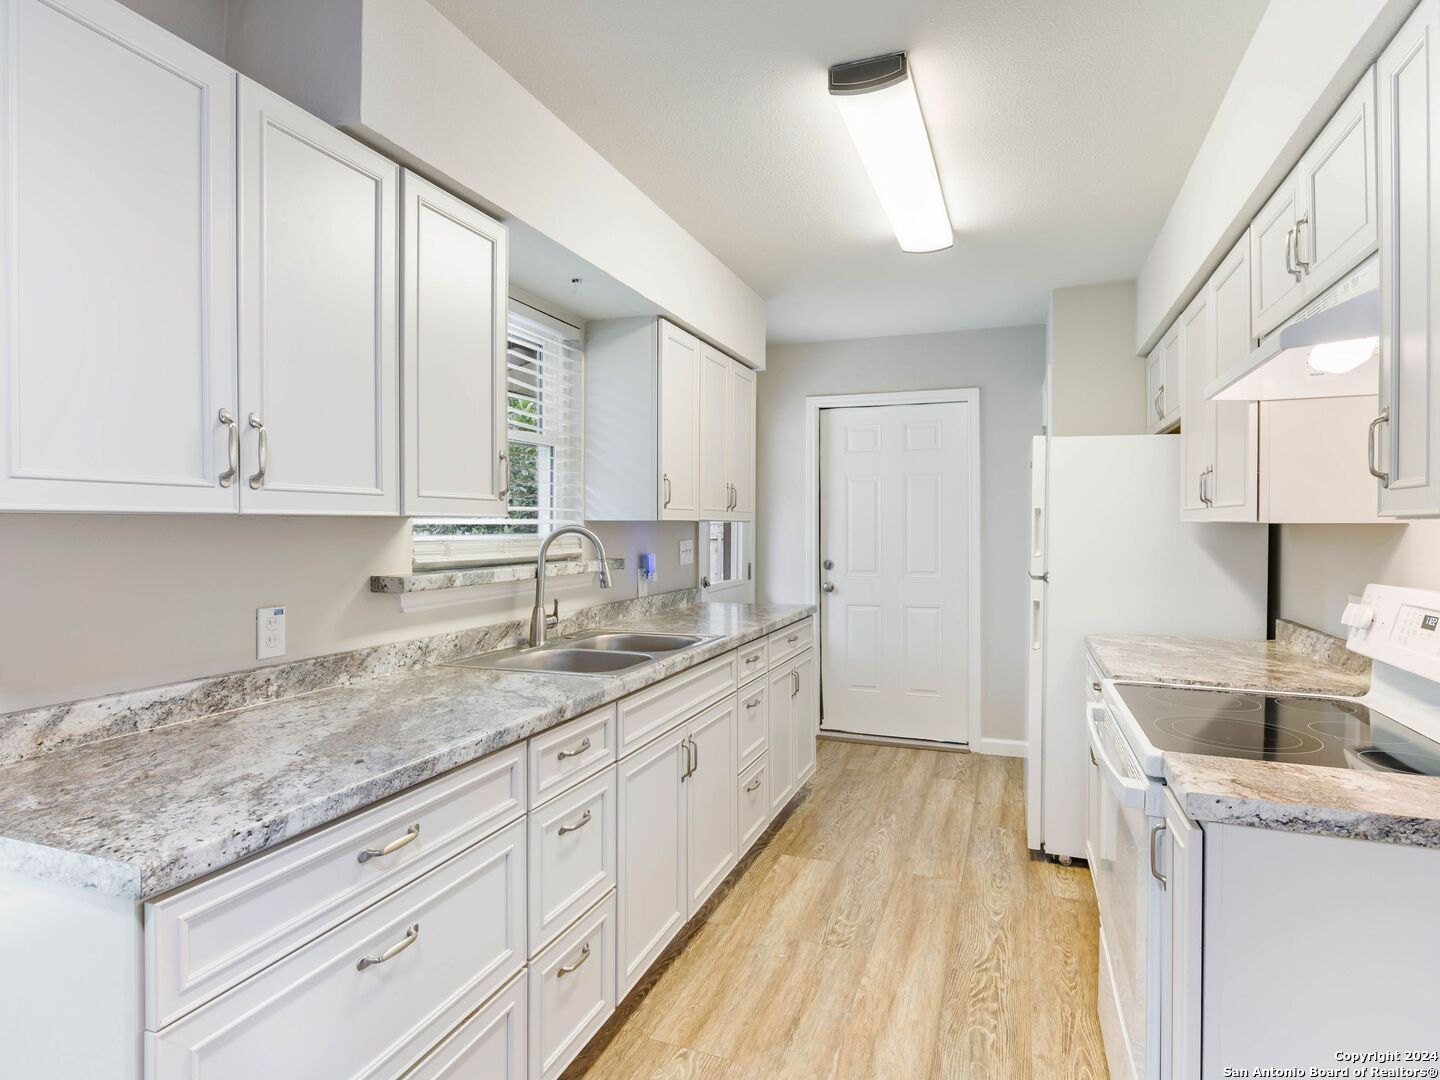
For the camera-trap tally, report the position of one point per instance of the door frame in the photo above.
(969, 395)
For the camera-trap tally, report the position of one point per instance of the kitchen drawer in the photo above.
(750, 661)
(790, 641)
(492, 1044)
(319, 1012)
(207, 937)
(572, 856)
(754, 802)
(753, 724)
(572, 991)
(574, 751)
(1092, 680)
(654, 711)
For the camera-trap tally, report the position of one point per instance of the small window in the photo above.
(546, 452)
(726, 563)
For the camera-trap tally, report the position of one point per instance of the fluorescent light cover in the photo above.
(1338, 357)
(890, 134)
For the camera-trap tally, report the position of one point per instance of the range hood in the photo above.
(1330, 349)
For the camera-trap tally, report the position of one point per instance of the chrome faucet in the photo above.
(540, 620)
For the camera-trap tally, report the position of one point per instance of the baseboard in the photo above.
(889, 740)
(1000, 747)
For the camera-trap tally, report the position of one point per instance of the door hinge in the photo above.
(749, 571)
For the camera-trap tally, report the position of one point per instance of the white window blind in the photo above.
(545, 381)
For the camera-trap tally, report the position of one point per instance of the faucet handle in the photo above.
(552, 620)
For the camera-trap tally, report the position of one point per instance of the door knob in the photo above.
(828, 564)
(827, 587)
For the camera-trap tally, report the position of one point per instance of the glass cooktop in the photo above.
(1298, 730)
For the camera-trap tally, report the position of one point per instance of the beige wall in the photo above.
(97, 604)
(1321, 565)
(1007, 365)
(1097, 383)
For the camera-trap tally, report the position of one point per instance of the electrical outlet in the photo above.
(269, 632)
(687, 552)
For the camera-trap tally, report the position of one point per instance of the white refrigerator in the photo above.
(1110, 555)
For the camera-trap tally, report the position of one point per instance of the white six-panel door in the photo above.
(117, 300)
(895, 522)
(318, 346)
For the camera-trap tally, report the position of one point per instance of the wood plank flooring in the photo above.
(893, 927)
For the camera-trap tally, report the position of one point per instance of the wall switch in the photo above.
(269, 632)
(687, 552)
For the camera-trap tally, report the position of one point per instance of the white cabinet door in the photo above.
(1233, 488)
(455, 274)
(491, 1044)
(805, 722)
(714, 434)
(1274, 275)
(710, 788)
(1408, 445)
(1337, 213)
(1197, 435)
(651, 886)
(1181, 956)
(679, 424)
(1155, 389)
(319, 384)
(1166, 397)
(741, 447)
(780, 704)
(117, 234)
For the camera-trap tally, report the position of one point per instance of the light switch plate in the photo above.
(687, 552)
(269, 632)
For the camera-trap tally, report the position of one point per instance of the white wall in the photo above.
(1097, 383)
(1305, 57)
(200, 22)
(1008, 366)
(97, 604)
(1320, 566)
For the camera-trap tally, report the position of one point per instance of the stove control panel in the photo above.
(1399, 627)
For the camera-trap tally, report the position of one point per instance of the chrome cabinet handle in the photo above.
(411, 936)
(753, 784)
(665, 478)
(584, 820)
(232, 448)
(1383, 418)
(794, 682)
(1159, 406)
(753, 703)
(1290, 267)
(1302, 264)
(569, 969)
(753, 659)
(504, 492)
(1095, 686)
(793, 638)
(1092, 758)
(696, 748)
(259, 477)
(685, 745)
(411, 835)
(584, 745)
(1154, 867)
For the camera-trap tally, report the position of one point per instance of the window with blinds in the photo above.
(546, 452)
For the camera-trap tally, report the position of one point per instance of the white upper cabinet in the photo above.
(1162, 378)
(740, 446)
(1197, 339)
(454, 282)
(1336, 179)
(318, 342)
(679, 423)
(117, 234)
(1154, 392)
(1405, 438)
(1274, 274)
(714, 434)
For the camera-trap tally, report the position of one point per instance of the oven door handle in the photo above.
(1130, 793)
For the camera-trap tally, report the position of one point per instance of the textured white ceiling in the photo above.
(1062, 130)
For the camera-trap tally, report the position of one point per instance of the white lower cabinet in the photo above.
(1180, 934)
(373, 995)
(754, 812)
(572, 991)
(752, 723)
(710, 790)
(493, 1044)
(572, 856)
(793, 704)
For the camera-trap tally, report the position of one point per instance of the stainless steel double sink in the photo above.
(593, 652)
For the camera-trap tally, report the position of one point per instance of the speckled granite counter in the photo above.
(138, 815)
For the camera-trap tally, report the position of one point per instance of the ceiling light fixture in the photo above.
(877, 100)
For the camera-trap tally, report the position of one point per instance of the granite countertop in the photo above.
(141, 814)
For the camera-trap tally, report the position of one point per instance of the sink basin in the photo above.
(571, 661)
(618, 641)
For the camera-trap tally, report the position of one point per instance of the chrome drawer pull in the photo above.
(411, 936)
(753, 659)
(793, 638)
(584, 820)
(584, 745)
(753, 703)
(753, 784)
(411, 835)
(568, 968)
(1154, 869)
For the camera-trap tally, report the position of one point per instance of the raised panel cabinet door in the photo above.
(714, 434)
(679, 424)
(741, 444)
(1184, 895)
(1274, 275)
(651, 885)
(1171, 374)
(780, 704)
(454, 284)
(1337, 223)
(1197, 432)
(805, 722)
(1233, 488)
(319, 383)
(1155, 389)
(710, 787)
(1406, 442)
(117, 234)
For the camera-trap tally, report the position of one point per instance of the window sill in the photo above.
(433, 580)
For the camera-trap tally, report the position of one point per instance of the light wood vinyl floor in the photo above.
(893, 927)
